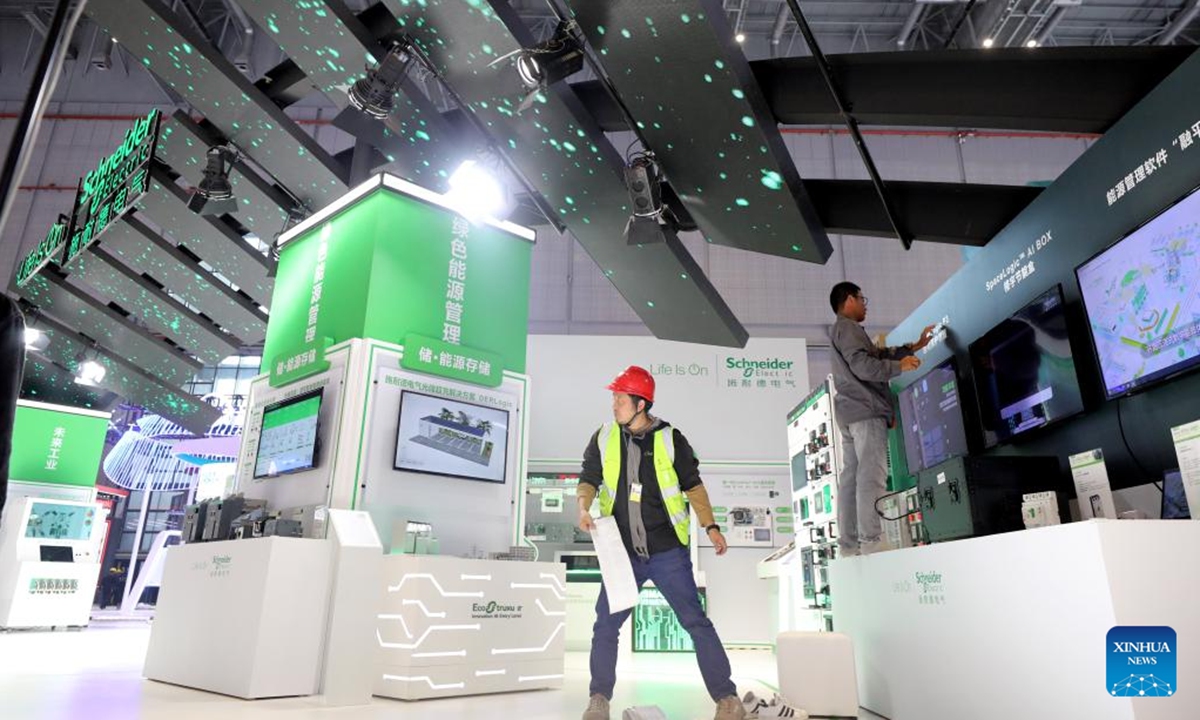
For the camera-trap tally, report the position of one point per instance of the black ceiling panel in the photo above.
(171, 48)
(46, 382)
(567, 159)
(696, 103)
(1067, 89)
(163, 315)
(57, 298)
(124, 378)
(332, 47)
(146, 252)
(211, 239)
(955, 213)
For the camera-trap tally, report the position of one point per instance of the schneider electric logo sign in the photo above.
(757, 372)
(1141, 661)
(493, 609)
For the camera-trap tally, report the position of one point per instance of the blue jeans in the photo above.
(671, 572)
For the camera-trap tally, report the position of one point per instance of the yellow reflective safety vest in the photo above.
(609, 439)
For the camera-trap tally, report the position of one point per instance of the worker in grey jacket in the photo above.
(863, 404)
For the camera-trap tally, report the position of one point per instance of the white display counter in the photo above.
(49, 562)
(1015, 625)
(242, 617)
(451, 626)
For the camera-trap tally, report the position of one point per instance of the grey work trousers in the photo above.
(863, 481)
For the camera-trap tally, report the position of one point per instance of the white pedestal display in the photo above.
(451, 626)
(243, 617)
(1015, 625)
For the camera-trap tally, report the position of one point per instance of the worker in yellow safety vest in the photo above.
(645, 474)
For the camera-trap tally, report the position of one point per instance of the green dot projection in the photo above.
(108, 328)
(212, 241)
(711, 129)
(563, 155)
(149, 254)
(422, 145)
(222, 94)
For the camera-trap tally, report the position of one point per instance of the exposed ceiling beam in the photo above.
(1179, 23)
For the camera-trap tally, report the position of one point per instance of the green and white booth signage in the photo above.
(398, 333)
(56, 451)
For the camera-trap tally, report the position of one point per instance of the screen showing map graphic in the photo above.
(288, 442)
(440, 436)
(1142, 297)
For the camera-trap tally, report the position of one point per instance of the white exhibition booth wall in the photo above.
(358, 427)
(731, 404)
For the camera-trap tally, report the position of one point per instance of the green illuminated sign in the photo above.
(656, 628)
(429, 355)
(304, 361)
(50, 246)
(54, 444)
(114, 186)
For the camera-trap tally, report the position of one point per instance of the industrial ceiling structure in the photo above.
(539, 91)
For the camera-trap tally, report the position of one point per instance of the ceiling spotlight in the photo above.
(988, 42)
(215, 194)
(543, 65)
(35, 339)
(476, 192)
(375, 95)
(90, 373)
(740, 37)
(1032, 43)
(643, 179)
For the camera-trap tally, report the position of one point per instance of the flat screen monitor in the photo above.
(439, 436)
(1174, 500)
(56, 553)
(1024, 371)
(931, 418)
(288, 441)
(1142, 297)
(59, 521)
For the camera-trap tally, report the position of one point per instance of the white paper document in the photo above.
(1187, 449)
(615, 569)
(1091, 485)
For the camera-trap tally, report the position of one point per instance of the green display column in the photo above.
(394, 262)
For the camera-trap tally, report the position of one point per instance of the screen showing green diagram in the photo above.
(655, 627)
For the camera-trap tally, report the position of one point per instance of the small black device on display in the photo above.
(1024, 371)
(1174, 499)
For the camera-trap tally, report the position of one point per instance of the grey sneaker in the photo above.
(597, 708)
(730, 708)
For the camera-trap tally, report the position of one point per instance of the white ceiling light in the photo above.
(90, 373)
(1031, 44)
(475, 192)
(988, 42)
(33, 337)
(740, 37)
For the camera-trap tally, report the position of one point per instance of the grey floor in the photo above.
(95, 674)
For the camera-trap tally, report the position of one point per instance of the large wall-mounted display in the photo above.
(440, 436)
(931, 418)
(57, 445)
(1142, 165)
(1142, 297)
(1025, 372)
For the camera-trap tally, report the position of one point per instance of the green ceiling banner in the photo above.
(57, 444)
(391, 260)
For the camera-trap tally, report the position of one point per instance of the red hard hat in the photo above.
(634, 381)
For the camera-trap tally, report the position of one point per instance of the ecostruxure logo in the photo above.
(1141, 661)
(751, 368)
(494, 609)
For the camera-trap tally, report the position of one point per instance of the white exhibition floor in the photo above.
(95, 674)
